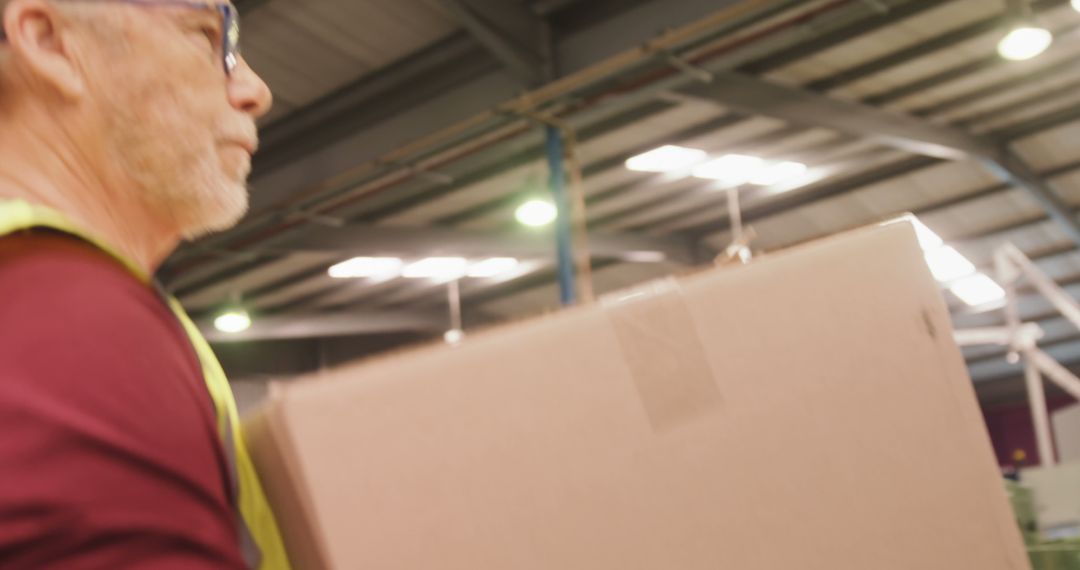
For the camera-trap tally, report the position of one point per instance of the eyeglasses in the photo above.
(230, 24)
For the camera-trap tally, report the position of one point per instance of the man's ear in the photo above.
(38, 36)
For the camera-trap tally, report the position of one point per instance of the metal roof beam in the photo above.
(802, 107)
(853, 182)
(510, 32)
(808, 109)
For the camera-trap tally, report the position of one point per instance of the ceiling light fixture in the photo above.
(233, 321)
(536, 213)
(492, 267)
(1024, 42)
(732, 169)
(778, 172)
(667, 158)
(442, 268)
(454, 336)
(366, 267)
(977, 290)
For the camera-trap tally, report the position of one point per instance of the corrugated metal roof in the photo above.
(1051, 148)
(871, 46)
(309, 49)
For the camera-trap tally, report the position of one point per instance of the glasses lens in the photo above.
(234, 34)
(232, 39)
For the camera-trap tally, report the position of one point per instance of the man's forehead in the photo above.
(164, 3)
(208, 3)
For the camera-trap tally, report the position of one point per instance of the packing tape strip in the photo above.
(663, 351)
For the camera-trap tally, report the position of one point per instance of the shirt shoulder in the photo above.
(61, 270)
(107, 420)
(64, 304)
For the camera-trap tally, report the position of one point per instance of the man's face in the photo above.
(174, 122)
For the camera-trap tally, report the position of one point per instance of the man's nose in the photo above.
(248, 92)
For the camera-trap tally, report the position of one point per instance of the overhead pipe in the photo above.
(579, 217)
(563, 235)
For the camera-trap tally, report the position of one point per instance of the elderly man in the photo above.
(125, 126)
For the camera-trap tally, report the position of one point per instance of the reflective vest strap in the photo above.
(259, 534)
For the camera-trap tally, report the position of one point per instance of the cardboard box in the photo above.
(807, 411)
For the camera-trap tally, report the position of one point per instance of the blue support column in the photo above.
(563, 241)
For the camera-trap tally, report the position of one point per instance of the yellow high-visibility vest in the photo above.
(258, 530)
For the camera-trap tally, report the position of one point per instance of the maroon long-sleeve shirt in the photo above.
(109, 456)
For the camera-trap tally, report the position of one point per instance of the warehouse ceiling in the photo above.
(414, 128)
